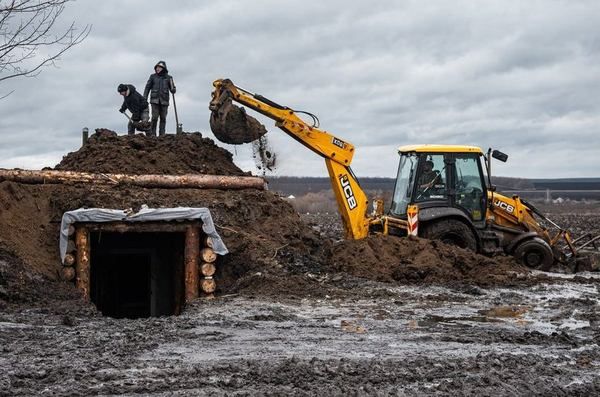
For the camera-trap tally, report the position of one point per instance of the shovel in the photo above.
(139, 125)
(179, 126)
(179, 129)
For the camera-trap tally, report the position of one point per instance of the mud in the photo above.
(420, 261)
(263, 232)
(380, 340)
(268, 240)
(297, 310)
(230, 124)
(264, 156)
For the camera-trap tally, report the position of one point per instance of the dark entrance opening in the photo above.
(137, 274)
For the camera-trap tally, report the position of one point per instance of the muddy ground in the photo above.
(328, 333)
(298, 311)
(370, 339)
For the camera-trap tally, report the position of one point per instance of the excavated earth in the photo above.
(297, 311)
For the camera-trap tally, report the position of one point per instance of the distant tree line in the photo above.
(298, 186)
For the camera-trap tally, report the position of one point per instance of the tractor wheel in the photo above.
(451, 231)
(534, 253)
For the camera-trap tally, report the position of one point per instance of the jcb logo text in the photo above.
(338, 143)
(345, 182)
(506, 207)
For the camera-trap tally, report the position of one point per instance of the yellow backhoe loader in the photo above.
(441, 192)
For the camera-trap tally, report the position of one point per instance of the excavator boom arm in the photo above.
(351, 199)
(320, 142)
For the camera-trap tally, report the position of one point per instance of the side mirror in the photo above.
(498, 155)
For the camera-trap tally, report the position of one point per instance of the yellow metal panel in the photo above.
(317, 140)
(439, 149)
(351, 199)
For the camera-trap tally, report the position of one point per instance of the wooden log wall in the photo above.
(199, 258)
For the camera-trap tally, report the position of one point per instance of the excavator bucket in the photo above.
(587, 258)
(232, 125)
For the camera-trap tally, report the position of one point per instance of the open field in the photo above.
(342, 335)
(298, 311)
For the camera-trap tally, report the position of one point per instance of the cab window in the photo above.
(468, 186)
(404, 183)
(431, 183)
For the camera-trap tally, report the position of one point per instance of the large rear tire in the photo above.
(534, 253)
(451, 231)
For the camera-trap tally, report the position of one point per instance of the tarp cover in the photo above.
(145, 214)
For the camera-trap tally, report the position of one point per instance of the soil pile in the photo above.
(105, 152)
(263, 233)
(18, 284)
(272, 251)
(420, 261)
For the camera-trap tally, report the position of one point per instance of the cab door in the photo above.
(431, 184)
(469, 193)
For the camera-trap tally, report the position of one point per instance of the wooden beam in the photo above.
(191, 251)
(82, 280)
(140, 227)
(194, 181)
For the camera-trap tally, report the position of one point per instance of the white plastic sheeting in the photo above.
(145, 214)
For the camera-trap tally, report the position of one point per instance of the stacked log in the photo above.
(68, 270)
(208, 258)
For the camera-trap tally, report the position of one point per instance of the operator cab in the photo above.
(441, 176)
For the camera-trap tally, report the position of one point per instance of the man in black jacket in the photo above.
(135, 102)
(158, 86)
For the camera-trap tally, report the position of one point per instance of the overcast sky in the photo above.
(519, 76)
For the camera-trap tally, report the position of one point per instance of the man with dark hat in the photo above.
(428, 176)
(136, 103)
(159, 85)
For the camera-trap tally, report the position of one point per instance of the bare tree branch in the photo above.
(29, 40)
(5, 95)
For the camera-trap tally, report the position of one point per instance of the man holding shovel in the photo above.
(138, 107)
(159, 85)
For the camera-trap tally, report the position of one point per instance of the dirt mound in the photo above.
(416, 260)
(272, 251)
(106, 152)
(20, 284)
(263, 233)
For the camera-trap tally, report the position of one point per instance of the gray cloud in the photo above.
(519, 76)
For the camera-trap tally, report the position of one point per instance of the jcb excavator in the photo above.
(441, 191)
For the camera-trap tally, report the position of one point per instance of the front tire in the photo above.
(535, 254)
(451, 231)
